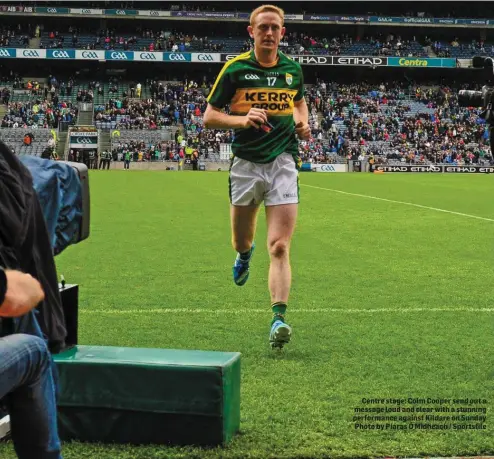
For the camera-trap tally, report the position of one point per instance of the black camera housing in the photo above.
(82, 171)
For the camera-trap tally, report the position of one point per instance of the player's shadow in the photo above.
(288, 354)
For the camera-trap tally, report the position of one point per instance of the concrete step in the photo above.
(85, 118)
(34, 43)
(104, 141)
(61, 144)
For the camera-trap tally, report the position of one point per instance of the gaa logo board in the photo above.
(151, 56)
(119, 55)
(206, 57)
(60, 54)
(31, 53)
(7, 52)
(84, 142)
(90, 55)
(177, 57)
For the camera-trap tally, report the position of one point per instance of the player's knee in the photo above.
(278, 248)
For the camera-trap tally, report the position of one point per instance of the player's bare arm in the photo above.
(214, 118)
(301, 118)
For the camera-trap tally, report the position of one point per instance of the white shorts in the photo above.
(274, 183)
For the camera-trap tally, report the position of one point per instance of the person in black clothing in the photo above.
(28, 280)
(27, 381)
(25, 243)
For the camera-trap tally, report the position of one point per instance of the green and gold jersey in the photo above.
(243, 84)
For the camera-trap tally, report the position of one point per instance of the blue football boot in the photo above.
(241, 268)
(280, 334)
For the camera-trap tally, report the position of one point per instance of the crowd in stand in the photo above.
(346, 121)
(352, 120)
(184, 146)
(474, 47)
(169, 105)
(38, 114)
(176, 41)
(10, 33)
(139, 39)
(169, 39)
(378, 122)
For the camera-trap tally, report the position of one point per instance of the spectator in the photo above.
(27, 381)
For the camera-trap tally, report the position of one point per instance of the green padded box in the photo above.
(163, 396)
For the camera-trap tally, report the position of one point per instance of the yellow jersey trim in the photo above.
(223, 70)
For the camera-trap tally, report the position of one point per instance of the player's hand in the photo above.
(255, 118)
(303, 130)
(24, 293)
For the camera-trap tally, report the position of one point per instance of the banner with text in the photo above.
(83, 139)
(86, 11)
(329, 168)
(430, 21)
(205, 14)
(370, 61)
(435, 168)
(153, 13)
(228, 15)
(204, 58)
(421, 62)
(8, 52)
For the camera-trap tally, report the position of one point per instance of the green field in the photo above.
(388, 300)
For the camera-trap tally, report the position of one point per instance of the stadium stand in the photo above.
(294, 43)
(388, 120)
(346, 120)
(35, 142)
(40, 113)
(430, 127)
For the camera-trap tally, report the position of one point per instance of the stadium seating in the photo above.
(133, 40)
(11, 37)
(14, 139)
(83, 41)
(365, 48)
(325, 145)
(468, 51)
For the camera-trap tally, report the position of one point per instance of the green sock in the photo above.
(279, 310)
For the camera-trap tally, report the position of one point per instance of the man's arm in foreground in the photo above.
(19, 293)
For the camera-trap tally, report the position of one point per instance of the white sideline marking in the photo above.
(401, 202)
(266, 310)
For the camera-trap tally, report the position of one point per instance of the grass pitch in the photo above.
(388, 301)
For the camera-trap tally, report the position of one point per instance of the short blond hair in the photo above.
(267, 9)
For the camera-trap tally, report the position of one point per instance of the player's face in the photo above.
(267, 31)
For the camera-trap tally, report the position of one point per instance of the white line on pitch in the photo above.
(267, 310)
(400, 202)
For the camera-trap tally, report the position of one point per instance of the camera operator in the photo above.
(25, 243)
(483, 98)
(27, 382)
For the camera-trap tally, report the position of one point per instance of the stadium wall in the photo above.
(162, 166)
(328, 168)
